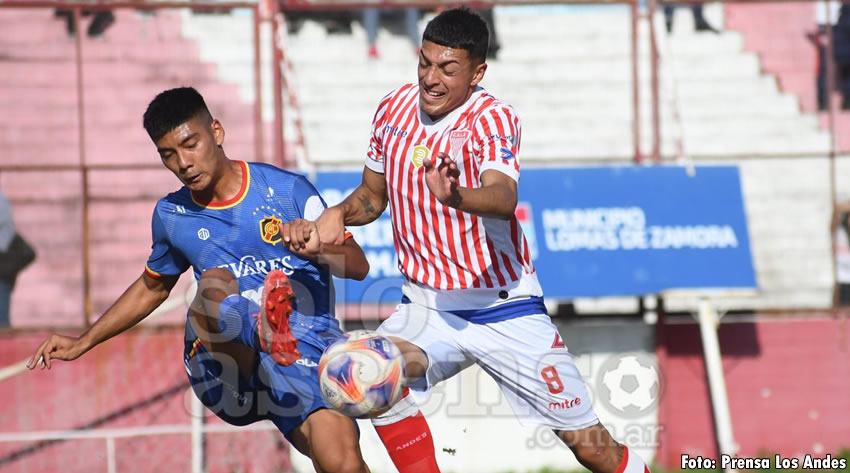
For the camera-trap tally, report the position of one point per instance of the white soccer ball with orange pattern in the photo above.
(362, 374)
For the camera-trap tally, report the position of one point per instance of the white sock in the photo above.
(632, 462)
(403, 409)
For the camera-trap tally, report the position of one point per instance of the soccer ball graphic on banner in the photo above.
(630, 385)
(361, 374)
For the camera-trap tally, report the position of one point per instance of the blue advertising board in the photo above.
(602, 231)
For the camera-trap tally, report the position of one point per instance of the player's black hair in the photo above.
(170, 108)
(460, 28)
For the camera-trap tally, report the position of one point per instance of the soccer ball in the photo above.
(362, 374)
(631, 386)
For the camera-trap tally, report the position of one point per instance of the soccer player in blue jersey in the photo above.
(246, 362)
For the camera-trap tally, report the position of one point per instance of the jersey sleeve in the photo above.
(375, 153)
(497, 136)
(165, 259)
(308, 202)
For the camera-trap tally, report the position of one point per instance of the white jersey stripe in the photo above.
(435, 245)
(405, 188)
(420, 223)
(517, 239)
(495, 262)
(442, 250)
(405, 255)
(473, 264)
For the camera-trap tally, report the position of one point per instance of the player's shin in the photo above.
(407, 437)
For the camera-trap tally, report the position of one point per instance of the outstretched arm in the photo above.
(137, 302)
(344, 261)
(496, 198)
(365, 204)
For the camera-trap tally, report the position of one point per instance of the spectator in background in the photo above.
(15, 254)
(841, 54)
(825, 12)
(700, 23)
(333, 21)
(7, 233)
(101, 21)
(371, 18)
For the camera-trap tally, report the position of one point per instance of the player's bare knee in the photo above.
(214, 285)
(352, 465)
(216, 277)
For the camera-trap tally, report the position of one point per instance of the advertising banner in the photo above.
(601, 231)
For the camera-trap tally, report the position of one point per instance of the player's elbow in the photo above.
(506, 207)
(500, 199)
(382, 201)
(360, 270)
(355, 265)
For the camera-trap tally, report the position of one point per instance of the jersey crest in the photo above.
(457, 139)
(270, 229)
(269, 224)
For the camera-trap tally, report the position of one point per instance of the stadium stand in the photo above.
(569, 77)
(140, 56)
(777, 32)
(567, 71)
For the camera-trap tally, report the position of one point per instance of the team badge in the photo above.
(457, 138)
(270, 229)
(419, 155)
(269, 224)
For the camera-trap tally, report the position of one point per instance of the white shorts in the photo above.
(525, 356)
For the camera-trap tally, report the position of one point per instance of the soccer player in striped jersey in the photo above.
(444, 156)
(263, 313)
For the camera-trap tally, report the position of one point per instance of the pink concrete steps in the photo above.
(139, 56)
(777, 33)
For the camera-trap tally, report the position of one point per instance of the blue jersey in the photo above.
(242, 235)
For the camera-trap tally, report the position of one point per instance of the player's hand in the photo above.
(442, 175)
(56, 347)
(331, 226)
(302, 238)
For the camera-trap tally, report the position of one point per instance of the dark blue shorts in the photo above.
(285, 395)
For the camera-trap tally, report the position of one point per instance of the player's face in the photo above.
(447, 77)
(191, 152)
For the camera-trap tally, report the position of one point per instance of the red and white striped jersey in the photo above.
(452, 260)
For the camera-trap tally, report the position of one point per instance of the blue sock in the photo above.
(236, 320)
